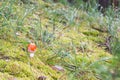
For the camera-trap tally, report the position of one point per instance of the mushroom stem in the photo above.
(31, 55)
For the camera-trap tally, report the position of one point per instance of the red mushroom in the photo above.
(32, 48)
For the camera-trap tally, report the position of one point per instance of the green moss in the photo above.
(45, 69)
(6, 76)
(93, 33)
(18, 69)
(3, 64)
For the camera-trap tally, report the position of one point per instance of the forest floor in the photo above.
(71, 43)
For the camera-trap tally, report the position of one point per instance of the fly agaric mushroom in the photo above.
(31, 49)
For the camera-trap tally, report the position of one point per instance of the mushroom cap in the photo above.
(32, 47)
